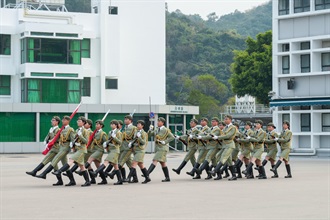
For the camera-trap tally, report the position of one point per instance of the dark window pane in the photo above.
(111, 83)
(5, 42)
(305, 63)
(86, 86)
(285, 64)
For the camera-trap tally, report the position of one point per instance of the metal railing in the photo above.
(258, 108)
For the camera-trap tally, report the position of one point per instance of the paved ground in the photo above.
(305, 196)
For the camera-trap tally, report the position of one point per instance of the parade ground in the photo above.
(305, 196)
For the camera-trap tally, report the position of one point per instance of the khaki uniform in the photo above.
(271, 145)
(212, 146)
(284, 141)
(126, 153)
(217, 157)
(258, 143)
(234, 155)
(97, 145)
(202, 151)
(67, 135)
(139, 148)
(114, 147)
(81, 150)
(161, 134)
(228, 144)
(192, 145)
(246, 145)
(90, 148)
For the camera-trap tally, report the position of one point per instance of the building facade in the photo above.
(301, 71)
(51, 60)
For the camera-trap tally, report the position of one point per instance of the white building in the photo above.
(111, 58)
(301, 71)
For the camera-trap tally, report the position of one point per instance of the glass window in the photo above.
(111, 83)
(5, 44)
(283, 7)
(326, 122)
(325, 61)
(285, 64)
(285, 47)
(305, 45)
(86, 86)
(113, 10)
(86, 48)
(322, 4)
(301, 6)
(305, 63)
(74, 52)
(18, 127)
(33, 91)
(74, 91)
(285, 117)
(305, 122)
(4, 85)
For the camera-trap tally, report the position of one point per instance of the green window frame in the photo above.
(5, 82)
(86, 48)
(74, 52)
(5, 44)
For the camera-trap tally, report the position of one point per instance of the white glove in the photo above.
(248, 137)
(199, 137)
(77, 144)
(162, 142)
(113, 135)
(71, 144)
(191, 136)
(276, 139)
(45, 143)
(215, 137)
(104, 144)
(177, 137)
(151, 127)
(130, 144)
(138, 134)
(79, 132)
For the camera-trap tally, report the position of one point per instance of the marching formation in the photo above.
(220, 148)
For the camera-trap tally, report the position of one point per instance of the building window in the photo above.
(322, 4)
(86, 48)
(301, 6)
(113, 10)
(305, 122)
(4, 85)
(305, 63)
(111, 83)
(305, 45)
(285, 65)
(325, 62)
(285, 47)
(326, 122)
(86, 86)
(285, 117)
(96, 10)
(42, 50)
(38, 90)
(283, 7)
(4, 44)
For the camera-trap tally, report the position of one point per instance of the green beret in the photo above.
(215, 119)
(248, 123)
(89, 121)
(56, 118)
(286, 122)
(129, 117)
(100, 122)
(67, 118)
(222, 123)
(229, 116)
(271, 124)
(115, 122)
(205, 119)
(194, 120)
(236, 124)
(259, 122)
(140, 122)
(120, 122)
(162, 119)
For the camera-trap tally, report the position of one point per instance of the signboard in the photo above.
(178, 109)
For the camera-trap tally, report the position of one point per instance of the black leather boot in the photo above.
(166, 174)
(86, 177)
(113, 173)
(135, 178)
(71, 178)
(202, 167)
(99, 169)
(278, 163)
(130, 174)
(225, 169)
(59, 181)
(119, 178)
(216, 169)
(150, 169)
(238, 164)
(65, 167)
(108, 169)
(192, 172)
(263, 173)
(248, 169)
(207, 170)
(233, 175)
(45, 172)
(275, 173)
(80, 173)
(146, 176)
(103, 177)
(34, 172)
(288, 170)
(180, 167)
(93, 181)
(219, 176)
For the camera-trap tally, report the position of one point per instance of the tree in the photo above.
(252, 68)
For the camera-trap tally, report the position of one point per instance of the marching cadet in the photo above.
(139, 148)
(284, 141)
(192, 145)
(258, 148)
(217, 158)
(246, 149)
(66, 140)
(52, 153)
(202, 151)
(271, 147)
(227, 138)
(80, 141)
(235, 152)
(163, 136)
(212, 146)
(113, 145)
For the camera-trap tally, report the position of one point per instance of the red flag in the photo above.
(52, 142)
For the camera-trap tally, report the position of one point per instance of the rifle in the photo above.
(134, 140)
(183, 141)
(50, 145)
(219, 142)
(90, 140)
